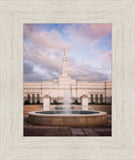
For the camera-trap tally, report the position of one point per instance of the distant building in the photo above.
(97, 92)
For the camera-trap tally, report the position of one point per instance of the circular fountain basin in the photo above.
(74, 119)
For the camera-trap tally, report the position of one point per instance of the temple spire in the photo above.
(64, 67)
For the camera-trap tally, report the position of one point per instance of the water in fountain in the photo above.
(67, 102)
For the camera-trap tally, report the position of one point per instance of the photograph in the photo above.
(67, 79)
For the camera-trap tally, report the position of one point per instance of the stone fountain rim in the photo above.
(100, 113)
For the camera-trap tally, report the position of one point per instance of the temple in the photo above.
(97, 92)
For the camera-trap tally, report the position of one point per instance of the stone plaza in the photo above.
(35, 130)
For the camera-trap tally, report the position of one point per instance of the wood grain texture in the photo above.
(13, 146)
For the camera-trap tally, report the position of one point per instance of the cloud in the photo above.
(46, 64)
(28, 68)
(34, 73)
(45, 58)
(88, 33)
(52, 39)
(29, 74)
(107, 56)
(85, 72)
(107, 60)
(43, 55)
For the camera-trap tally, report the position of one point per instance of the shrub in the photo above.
(58, 108)
(27, 102)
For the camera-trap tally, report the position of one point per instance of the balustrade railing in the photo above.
(74, 100)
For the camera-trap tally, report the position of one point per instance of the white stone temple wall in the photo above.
(56, 90)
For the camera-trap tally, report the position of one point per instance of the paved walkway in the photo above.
(33, 130)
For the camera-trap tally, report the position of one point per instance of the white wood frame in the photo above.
(13, 146)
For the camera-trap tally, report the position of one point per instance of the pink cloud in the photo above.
(45, 58)
(45, 39)
(107, 60)
(107, 56)
(49, 61)
(89, 33)
(100, 30)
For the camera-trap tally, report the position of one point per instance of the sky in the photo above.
(88, 50)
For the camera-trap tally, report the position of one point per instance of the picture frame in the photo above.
(13, 145)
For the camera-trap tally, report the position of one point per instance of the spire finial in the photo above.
(64, 52)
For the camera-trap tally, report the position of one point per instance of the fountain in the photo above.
(67, 102)
(68, 117)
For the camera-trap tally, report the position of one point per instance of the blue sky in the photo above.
(88, 50)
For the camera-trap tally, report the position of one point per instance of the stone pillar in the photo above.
(30, 98)
(98, 98)
(41, 98)
(84, 101)
(94, 98)
(90, 99)
(35, 98)
(103, 98)
(46, 102)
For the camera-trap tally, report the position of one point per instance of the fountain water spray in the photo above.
(67, 102)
